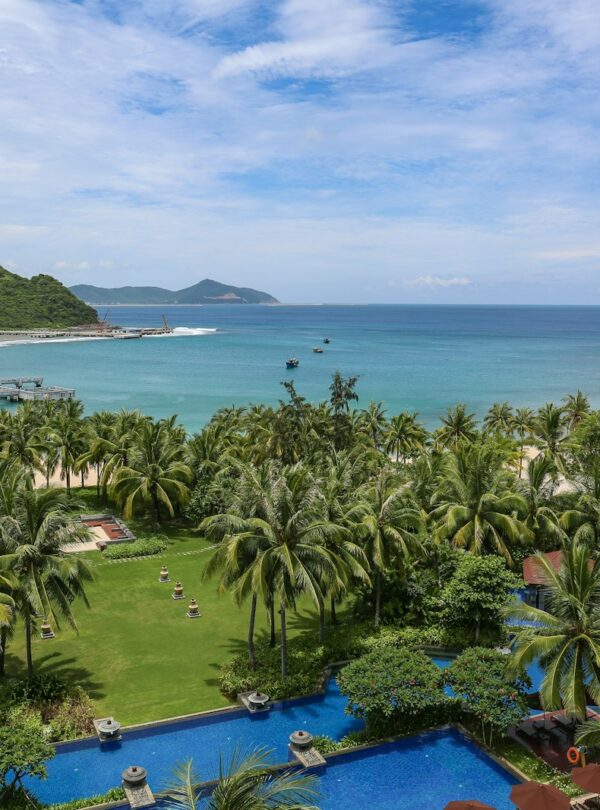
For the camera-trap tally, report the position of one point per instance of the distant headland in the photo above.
(204, 292)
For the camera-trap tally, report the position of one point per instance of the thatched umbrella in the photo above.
(468, 804)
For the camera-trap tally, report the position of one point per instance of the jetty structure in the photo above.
(102, 329)
(26, 389)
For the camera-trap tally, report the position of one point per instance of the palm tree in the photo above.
(389, 521)
(47, 579)
(565, 637)
(583, 522)
(22, 442)
(288, 528)
(499, 419)
(405, 436)
(457, 426)
(155, 473)
(522, 423)
(238, 549)
(374, 423)
(66, 438)
(550, 433)
(246, 783)
(336, 495)
(540, 517)
(474, 506)
(576, 408)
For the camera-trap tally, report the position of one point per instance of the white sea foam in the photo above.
(187, 331)
(26, 341)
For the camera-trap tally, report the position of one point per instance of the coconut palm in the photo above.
(540, 518)
(457, 426)
(499, 419)
(336, 486)
(522, 424)
(374, 423)
(583, 522)
(565, 637)
(66, 438)
(22, 442)
(405, 436)
(550, 433)
(47, 579)
(247, 782)
(576, 408)
(289, 528)
(390, 524)
(474, 506)
(155, 474)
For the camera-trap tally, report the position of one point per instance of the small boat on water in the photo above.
(326, 340)
(292, 363)
(318, 350)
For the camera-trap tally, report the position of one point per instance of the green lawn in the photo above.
(137, 653)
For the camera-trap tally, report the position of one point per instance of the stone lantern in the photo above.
(46, 629)
(178, 591)
(193, 612)
(164, 574)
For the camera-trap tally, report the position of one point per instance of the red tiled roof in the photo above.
(533, 572)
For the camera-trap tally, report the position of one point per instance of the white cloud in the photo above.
(438, 281)
(325, 138)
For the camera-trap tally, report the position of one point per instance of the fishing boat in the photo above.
(318, 350)
(292, 363)
(326, 340)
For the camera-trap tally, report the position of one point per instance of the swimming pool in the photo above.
(424, 772)
(84, 768)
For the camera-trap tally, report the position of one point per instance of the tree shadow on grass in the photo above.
(66, 669)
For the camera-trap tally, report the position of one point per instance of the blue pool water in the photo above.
(417, 773)
(83, 768)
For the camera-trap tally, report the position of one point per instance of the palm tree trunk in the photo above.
(283, 640)
(477, 630)
(28, 647)
(68, 476)
(333, 613)
(3, 638)
(321, 624)
(82, 479)
(378, 599)
(156, 506)
(98, 481)
(272, 623)
(251, 654)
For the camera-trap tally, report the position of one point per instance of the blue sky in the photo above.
(323, 150)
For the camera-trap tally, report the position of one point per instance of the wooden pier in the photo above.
(14, 389)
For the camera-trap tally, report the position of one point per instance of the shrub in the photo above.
(113, 795)
(393, 689)
(71, 718)
(37, 689)
(23, 749)
(139, 548)
(478, 679)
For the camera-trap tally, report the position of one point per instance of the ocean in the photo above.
(417, 358)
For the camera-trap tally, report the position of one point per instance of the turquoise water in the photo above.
(422, 358)
(84, 768)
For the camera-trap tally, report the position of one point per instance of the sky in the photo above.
(349, 151)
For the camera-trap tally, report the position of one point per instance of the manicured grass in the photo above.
(137, 653)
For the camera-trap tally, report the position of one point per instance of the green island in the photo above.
(308, 534)
(206, 291)
(40, 302)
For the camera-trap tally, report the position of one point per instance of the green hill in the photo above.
(204, 292)
(40, 302)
